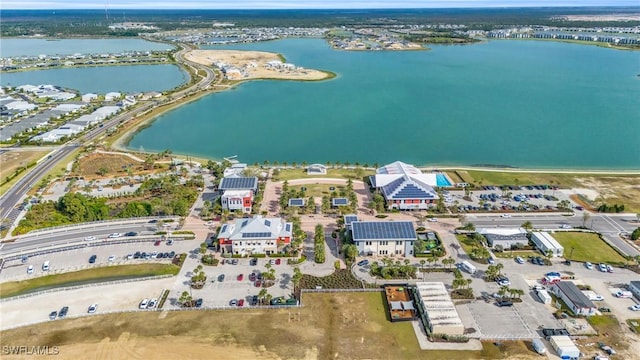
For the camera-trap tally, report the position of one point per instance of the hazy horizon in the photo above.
(300, 5)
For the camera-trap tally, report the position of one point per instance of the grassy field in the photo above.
(107, 273)
(12, 160)
(587, 247)
(318, 189)
(290, 174)
(465, 242)
(328, 326)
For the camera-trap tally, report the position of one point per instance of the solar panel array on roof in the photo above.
(287, 227)
(256, 235)
(296, 202)
(410, 191)
(244, 223)
(224, 228)
(350, 218)
(340, 201)
(239, 183)
(267, 222)
(382, 230)
(392, 186)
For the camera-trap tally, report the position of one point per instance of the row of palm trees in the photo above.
(335, 164)
(511, 291)
(433, 260)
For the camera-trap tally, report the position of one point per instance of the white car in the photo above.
(30, 269)
(144, 303)
(433, 219)
(506, 215)
(152, 303)
(89, 238)
(565, 226)
(519, 260)
(588, 265)
(114, 235)
(635, 307)
(602, 267)
(129, 256)
(112, 258)
(92, 308)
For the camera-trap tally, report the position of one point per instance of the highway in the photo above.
(9, 202)
(610, 225)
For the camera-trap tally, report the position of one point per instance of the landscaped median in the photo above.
(97, 275)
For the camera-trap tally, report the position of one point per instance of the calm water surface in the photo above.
(33, 47)
(519, 103)
(103, 79)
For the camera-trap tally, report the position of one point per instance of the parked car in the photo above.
(157, 243)
(252, 277)
(233, 302)
(129, 256)
(131, 233)
(234, 262)
(92, 259)
(221, 277)
(170, 242)
(635, 307)
(92, 308)
(199, 303)
(172, 254)
(278, 261)
(503, 303)
(604, 310)
(254, 300)
(241, 303)
(609, 269)
(89, 238)
(602, 267)
(503, 281)
(588, 265)
(240, 277)
(364, 262)
(432, 219)
(53, 315)
(519, 260)
(490, 260)
(30, 269)
(152, 303)
(258, 283)
(253, 262)
(144, 303)
(112, 258)
(63, 312)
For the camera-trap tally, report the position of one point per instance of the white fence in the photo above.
(96, 223)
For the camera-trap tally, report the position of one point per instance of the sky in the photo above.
(299, 4)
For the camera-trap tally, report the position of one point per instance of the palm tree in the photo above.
(519, 292)
(468, 282)
(503, 290)
(262, 294)
(449, 261)
(422, 261)
(297, 276)
(499, 267)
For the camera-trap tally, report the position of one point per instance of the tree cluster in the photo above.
(318, 240)
(615, 208)
(393, 270)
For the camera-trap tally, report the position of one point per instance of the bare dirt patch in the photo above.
(91, 166)
(615, 190)
(12, 160)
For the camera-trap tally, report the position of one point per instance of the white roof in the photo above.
(20, 105)
(502, 231)
(547, 240)
(236, 193)
(68, 107)
(438, 304)
(256, 228)
(393, 171)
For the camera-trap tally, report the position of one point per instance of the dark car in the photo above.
(159, 256)
(137, 255)
(253, 262)
(199, 303)
(92, 259)
(63, 312)
(167, 255)
(131, 233)
(254, 300)
(252, 277)
(234, 262)
(259, 276)
(364, 262)
(172, 254)
(221, 278)
(605, 310)
(170, 242)
(53, 315)
(503, 303)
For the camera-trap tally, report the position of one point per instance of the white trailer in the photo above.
(468, 267)
(544, 296)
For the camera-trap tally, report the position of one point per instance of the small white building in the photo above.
(441, 313)
(564, 346)
(89, 97)
(316, 169)
(545, 242)
(112, 96)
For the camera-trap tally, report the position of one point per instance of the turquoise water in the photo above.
(103, 79)
(530, 104)
(13, 47)
(441, 180)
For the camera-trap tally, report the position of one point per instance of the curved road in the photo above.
(9, 211)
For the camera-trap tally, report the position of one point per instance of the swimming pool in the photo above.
(442, 180)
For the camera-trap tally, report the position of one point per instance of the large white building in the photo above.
(256, 235)
(405, 187)
(235, 200)
(442, 316)
(545, 242)
(394, 238)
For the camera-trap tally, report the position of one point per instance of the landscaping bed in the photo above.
(340, 279)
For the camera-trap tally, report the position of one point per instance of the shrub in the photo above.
(210, 260)
(260, 256)
(163, 298)
(336, 264)
(297, 261)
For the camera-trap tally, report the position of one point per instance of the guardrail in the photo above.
(68, 288)
(94, 223)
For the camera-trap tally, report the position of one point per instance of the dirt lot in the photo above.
(89, 166)
(338, 326)
(11, 160)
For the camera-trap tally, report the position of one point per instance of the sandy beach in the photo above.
(247, 65)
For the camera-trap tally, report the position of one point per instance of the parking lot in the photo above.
(74, 260)
(494, 199)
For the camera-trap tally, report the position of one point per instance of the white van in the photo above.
(45, 266)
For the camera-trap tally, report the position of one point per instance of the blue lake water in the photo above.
(13, 47)
(535, 104)
(103, 79)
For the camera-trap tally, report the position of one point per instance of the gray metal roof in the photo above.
(383, 230)
(574, 294)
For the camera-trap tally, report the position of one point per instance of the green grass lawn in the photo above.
(509, 178)
(634, 324)
(290, 174)
(318, 190)
(466, 243)
(108, 273)
(587, 247)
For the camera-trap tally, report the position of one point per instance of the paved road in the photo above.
(610, 226)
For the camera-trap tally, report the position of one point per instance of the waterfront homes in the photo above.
(257, 235)
(238, 193)
(394, 238)
(578, 302)
(504, 237)
(441, 316)
(545, 243)
(405, 187)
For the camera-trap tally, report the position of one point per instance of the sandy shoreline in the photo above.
(248, 65)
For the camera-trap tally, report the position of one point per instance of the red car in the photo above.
(241, 303)
(240, 277)
(157, 243)
(277, 261)
(258, 283)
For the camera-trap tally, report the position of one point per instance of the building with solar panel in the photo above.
(297, 202)
(238, 193)
(384, 237)
(337, 202)
(405, 187)
(257, 235)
